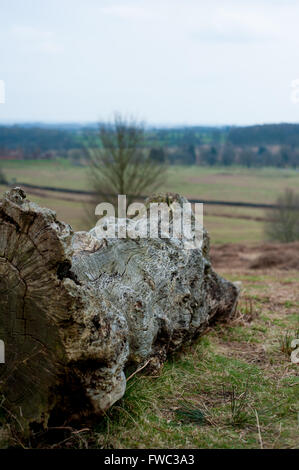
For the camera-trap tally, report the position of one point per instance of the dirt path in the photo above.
(256, 257)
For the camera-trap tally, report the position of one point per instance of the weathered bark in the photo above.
(75, 311)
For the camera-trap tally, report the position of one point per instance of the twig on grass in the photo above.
(138, 370)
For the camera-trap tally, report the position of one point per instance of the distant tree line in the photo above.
(284, 156)
(266, 145)
(34, 141)
(267, 134)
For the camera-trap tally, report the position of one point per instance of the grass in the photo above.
(286, 341)
(56, 173)
(232, 183)
(222, 229)
(225, 224)
(218, 183)
(234, 388)
(233, 230)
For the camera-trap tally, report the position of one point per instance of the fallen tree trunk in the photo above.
(76, 311)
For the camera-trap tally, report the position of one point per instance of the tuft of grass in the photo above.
(239, 404)
(191, 414)
(286, 339)
(246, 311)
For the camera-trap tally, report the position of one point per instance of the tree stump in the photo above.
(76, 311)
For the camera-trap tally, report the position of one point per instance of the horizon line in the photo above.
(147, 124)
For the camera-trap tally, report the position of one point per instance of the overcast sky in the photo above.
(165, 61)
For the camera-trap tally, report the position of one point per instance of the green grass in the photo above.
(232, 183)
(59, 173)
(221, 183)
(230, 230)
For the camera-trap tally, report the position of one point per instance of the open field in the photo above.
(219, 183)
(228, 225)
(234, 388)
(225, 224)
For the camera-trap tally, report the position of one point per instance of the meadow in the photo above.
(225, 224)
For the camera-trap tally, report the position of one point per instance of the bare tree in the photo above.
(283, 223)
(120, 164)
